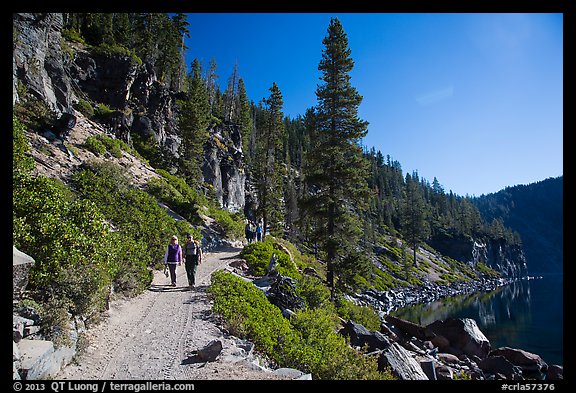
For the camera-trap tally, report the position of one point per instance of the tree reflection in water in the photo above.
(525, 314)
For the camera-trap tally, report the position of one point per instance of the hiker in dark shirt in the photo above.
(193, 253)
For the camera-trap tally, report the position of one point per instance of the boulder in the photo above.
(463, 335)
(499, 365)
(292, 373)
(211, 351)
(272, 268)
(402, 364)
(21, 265)
(282, 293)
(527, 361)
(36, 359)
(19, 324)
(409, 328)
(555, 373)
(429, 369)
(360, 336)
(64, 124)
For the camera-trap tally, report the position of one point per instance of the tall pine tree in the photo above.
(194, 120)
(335, 169)
(414, 214)
(268, 163)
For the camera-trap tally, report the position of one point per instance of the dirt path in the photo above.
(155, 336)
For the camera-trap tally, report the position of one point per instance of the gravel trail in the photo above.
(155, 335)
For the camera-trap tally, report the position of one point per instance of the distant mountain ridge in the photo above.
(535, 211)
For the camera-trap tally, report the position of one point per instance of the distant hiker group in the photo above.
(253, 231)
(190, 253)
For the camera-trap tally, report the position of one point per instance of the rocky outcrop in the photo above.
(223, 166)
(39, 62)
(393, 299)
(61, 73)
(21, 265)
(141, 104)
(33, 356)
(451, 349)
(505, 258)
(460, 336)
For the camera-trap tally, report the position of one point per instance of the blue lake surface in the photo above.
(526, 314)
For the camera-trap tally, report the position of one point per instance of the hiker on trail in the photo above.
(193, 253)
(248, 232)
(172, 257)
(259, 232)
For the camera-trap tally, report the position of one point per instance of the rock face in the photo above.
(223, 166)
(38, 60)
(507, 259)
(445, 350)
(21, 265)
(34, 357)
(401, 362)
(140, 104)
(463, 335)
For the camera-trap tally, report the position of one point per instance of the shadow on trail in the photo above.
(169, 288)
(192, 360)
(226, 249)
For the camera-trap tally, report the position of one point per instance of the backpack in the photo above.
(196, 247)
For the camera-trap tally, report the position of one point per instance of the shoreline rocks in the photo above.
(446, 350)
(393, 299)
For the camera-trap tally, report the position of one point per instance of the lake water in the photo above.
(527, 314)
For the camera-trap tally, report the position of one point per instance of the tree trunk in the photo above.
(330, 249)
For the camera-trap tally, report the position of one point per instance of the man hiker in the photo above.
(193, 253)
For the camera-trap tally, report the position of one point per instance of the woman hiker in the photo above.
(172, 257)
(193, 254)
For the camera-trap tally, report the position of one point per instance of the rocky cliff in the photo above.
(505, 258)
(38, 61)
(61, 73)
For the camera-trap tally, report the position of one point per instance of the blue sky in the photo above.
(475, 100)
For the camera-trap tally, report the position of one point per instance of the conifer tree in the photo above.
(335, 170)
(194, 120)
(212, 85)
(244, 117)
(267, 165)
(413, 216)
(230, 96)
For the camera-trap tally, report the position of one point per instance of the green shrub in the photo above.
(258, 254)
(248, 313)
(114, 50)
(365, 316)
(102, 111)
(314, 292)
(95, 145)
(186, 201)
(308, 341)
(133, 212)
(487, 270)
(34, 113)
(327, 353)
(84, 107)
(73, 35)
(231, 223)
(69, 241)
(22, 164)
(113, 145)
(181, 201)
